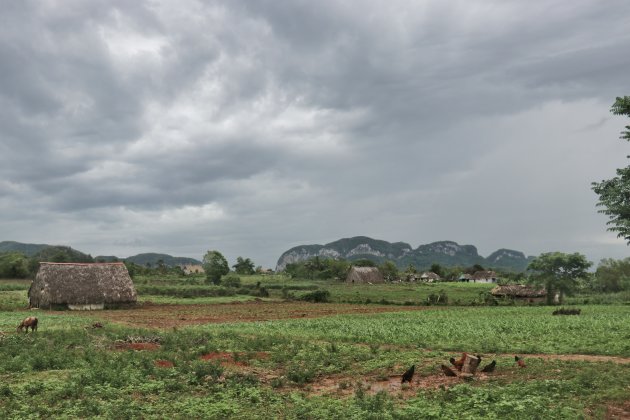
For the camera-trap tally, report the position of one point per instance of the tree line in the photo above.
(560, 274)
(17, 265)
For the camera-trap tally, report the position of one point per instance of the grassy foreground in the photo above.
(329, 367)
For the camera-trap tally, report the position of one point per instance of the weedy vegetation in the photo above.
(311, 360)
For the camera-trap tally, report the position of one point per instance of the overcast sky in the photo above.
(251, 127)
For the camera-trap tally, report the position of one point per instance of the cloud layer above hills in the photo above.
(252, 127)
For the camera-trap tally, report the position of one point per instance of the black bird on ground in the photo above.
(447, 370)
(408, 375)
(489, 368)
(519, 361)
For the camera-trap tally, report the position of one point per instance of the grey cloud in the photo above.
(303, 120)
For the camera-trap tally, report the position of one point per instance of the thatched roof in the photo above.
(429, 275)
(192, 268)
(483, 275)
(81, 284)
(518, 290)
(364, 275)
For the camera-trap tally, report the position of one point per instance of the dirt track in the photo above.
(580, 358)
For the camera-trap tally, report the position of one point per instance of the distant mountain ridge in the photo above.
(153, 259)
(445, 253)
(44, 250)
(27, 249)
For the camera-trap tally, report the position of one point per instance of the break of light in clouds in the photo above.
(252, 127)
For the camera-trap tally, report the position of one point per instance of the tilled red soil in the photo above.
(234, 359)
(163, 363)
(163, 316)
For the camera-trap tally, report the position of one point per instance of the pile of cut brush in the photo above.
(466, 366)
(565, 311)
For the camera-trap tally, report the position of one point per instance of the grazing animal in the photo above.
(489, 368)
(447, 370)
(29, 321)
(408, 375)
(458, 363)
(519, 361)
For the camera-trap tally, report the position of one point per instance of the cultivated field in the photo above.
(248, 357)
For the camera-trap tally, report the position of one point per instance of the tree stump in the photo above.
(470, 364)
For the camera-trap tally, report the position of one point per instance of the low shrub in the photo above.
(441, 298)
(231, 280)
(186, 291)
(300, 375)
(566, 311)
(262, 292)
(317, 296)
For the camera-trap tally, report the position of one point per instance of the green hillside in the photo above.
(27, 249)
(43, 252)
(153, 258)
(58, 253)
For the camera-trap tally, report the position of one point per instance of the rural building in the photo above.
(484, 277)
(519, 292)
(429, 277)
(465, 277)
(412, 277)
(192, 269)
(81, 286)
(364, 275)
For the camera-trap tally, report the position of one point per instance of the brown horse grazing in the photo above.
(30, 321)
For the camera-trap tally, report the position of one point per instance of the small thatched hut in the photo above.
(520, 292)
(430, 277)
(81, 286)
(364, 275)
(192, 269)
(484, 277)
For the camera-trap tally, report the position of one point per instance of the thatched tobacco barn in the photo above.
(484, 277)
(364, 275)
(192, 269)
(81, 286)
(520, 292)
(430, 277)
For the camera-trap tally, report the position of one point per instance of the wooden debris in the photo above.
(470, 364)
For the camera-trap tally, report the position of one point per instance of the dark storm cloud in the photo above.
(278, 123)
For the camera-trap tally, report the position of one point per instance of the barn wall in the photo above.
(87, 307)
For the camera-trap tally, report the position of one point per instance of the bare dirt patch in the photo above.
(225, 359)
(618, 411)
(568, 357)
(580, 358)
(234, 359)
(163, 316)
(347, 386)
(163, 363)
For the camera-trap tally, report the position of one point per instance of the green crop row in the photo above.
(598, 330)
